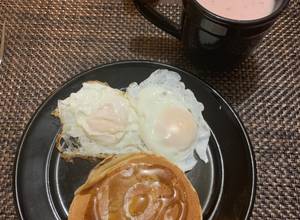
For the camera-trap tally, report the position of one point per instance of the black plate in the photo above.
(44, 183)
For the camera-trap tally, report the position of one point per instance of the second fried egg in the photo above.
(170, 118)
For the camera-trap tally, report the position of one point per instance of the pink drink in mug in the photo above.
(239, 9)
(218, 34)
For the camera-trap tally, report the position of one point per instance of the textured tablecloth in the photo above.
(48, 42)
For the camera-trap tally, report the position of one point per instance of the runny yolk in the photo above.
(108, 123)
(176, 128)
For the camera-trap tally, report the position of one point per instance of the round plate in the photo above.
(45, 183)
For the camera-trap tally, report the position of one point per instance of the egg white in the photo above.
(78, 108)
(159, 91)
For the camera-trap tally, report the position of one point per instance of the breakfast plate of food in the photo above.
(135, 140)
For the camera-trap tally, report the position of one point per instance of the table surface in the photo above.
(48, 42)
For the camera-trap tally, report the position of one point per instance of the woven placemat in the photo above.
(48, 42)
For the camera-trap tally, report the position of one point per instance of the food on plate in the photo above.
(97, 121)
(136, 186)
(170, 118)
(158, 115)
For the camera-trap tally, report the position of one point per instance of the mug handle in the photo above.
(157, 18)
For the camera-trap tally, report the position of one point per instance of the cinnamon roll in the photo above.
(136, 186)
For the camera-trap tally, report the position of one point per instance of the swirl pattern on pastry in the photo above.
(136, 186)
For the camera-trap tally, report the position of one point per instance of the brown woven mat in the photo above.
(48, 42)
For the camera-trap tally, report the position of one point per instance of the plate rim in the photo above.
(99, 66)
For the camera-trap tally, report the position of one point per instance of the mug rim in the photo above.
(262, 20)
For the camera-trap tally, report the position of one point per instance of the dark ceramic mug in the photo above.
(209, 39)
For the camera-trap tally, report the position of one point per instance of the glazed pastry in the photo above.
(136, 186)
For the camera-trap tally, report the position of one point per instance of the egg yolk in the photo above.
(108, 123)
(176, 128)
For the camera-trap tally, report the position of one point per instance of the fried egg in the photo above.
(170, 118)
(98, 120)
